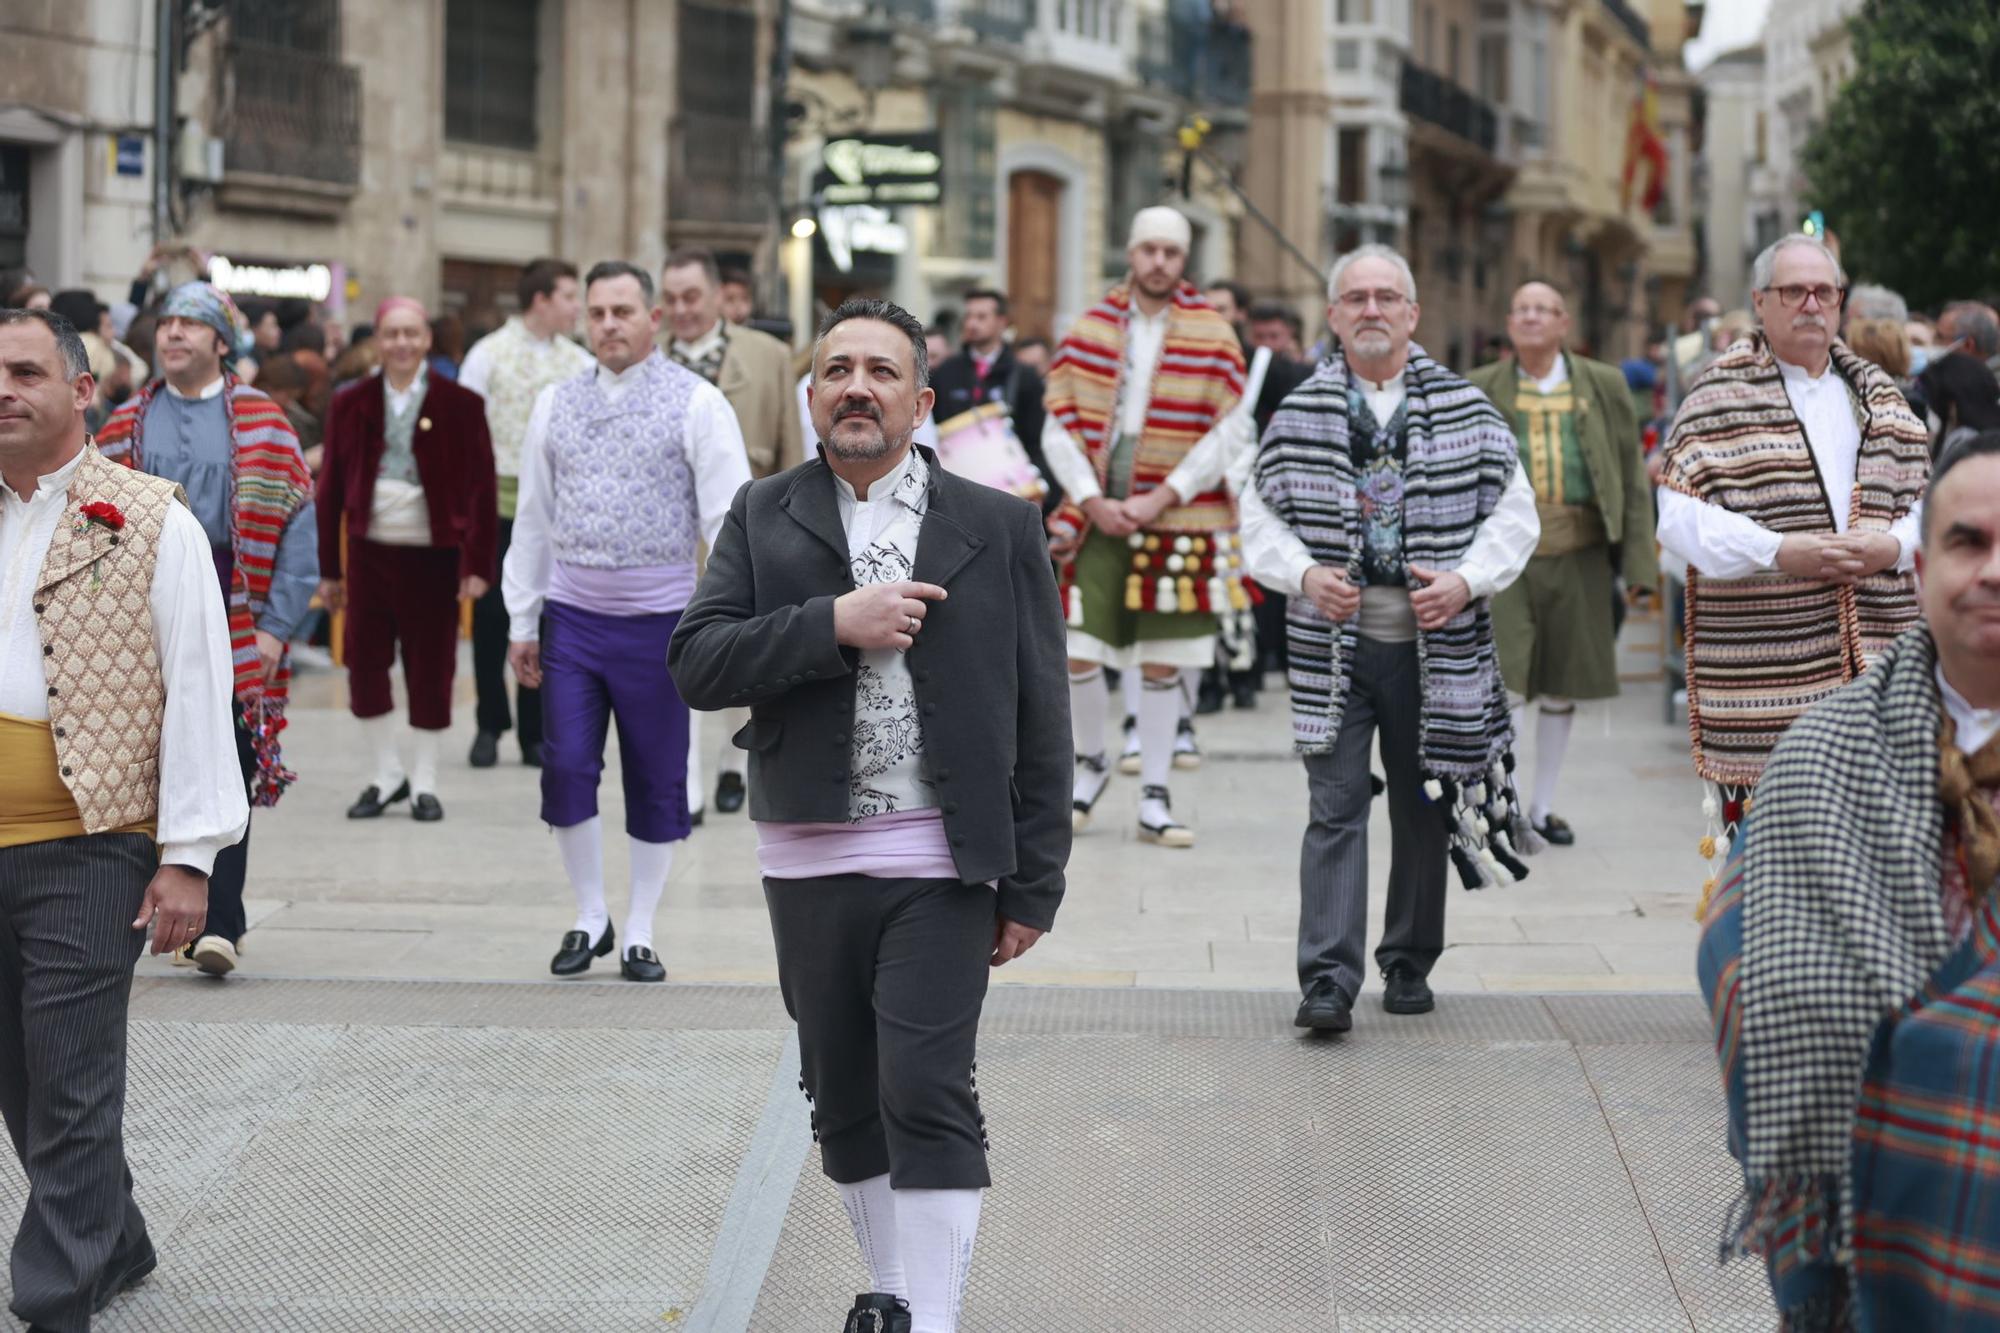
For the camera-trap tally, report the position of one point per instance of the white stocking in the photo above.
(381, 735)
(1551, 741)
(1159, 718)
(871, 1207)
(424, 761)
(934, 1232)
(652, 862)
(582, 848)
(1086, 709)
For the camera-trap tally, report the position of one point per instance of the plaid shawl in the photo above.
(269, 484)
(1763, 649)
(1198, 380)
(1461, 456)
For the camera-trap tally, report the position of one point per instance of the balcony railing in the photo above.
(1207, 63)
(1632, 23)
(993, 20)
(293, 114)
(1443, 103)
(718, 170)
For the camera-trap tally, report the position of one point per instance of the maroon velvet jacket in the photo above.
(454, 464)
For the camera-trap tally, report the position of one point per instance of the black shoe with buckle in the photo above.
(426, 809)
(641, 964)
(729, 793)
(1325, 1008)
(1404, 992)
(1555, 830)
(878, 1312)
(370, 805)
(576, 951)
(485, 750)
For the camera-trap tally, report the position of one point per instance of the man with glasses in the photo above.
(1579, 440)
(1790, 487)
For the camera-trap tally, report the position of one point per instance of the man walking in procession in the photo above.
(624, 469)
(1144, 409)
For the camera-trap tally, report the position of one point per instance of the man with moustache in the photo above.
(1790, 488)
(624, 470)
(896, 634)
(1389, 505)
(1144, 411)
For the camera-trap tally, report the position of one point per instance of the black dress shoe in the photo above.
(122, 1275)
(1404, 992)
(1245, 695)
(641, 964)
(729, 793)
(1325, 1009)
(1555, 830)
(371, 805)
(878, 1312)
(1207, 701)
(694, 820)
(426, 809)
(485, 750)
(531, 753)
(576, 951)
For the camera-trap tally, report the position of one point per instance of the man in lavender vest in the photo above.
(623, 469)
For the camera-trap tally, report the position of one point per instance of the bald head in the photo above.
(1538, 321)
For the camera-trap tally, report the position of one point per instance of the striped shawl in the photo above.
(1763, 649)
(1198, 381)
(269, 484)
(1461, 456)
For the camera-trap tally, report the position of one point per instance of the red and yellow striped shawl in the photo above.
(269, 484)
(1198, 381)
(1763, 649)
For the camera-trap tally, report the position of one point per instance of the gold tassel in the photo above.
(1707, 892)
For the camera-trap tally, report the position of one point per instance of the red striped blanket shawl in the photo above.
(269, 484)
(1761, 650)
(1198, 381)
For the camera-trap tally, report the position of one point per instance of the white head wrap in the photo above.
(1162, 224)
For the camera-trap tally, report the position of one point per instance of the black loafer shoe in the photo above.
(531, 753)
(1555, 830)
(1325, 1009)
(122, 1275)
(729, 793)
(1244, 696)
(485, 750)
(576, 951)
(641, 964)
(426, 810)
(695, 819)
(1404, 992)
(878, 1312)
(371, 805)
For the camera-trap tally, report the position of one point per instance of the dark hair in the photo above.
(1237, 291)
(81, 308)
(76, 361)
(1964, 449)
(886, 312)
(293, 311)
(303, 337)
(999, 299)
(253, 310)
(737, 277)
(605, 269)
(1962, 391)
(1265, 311)
(539, 278)
(696, 256)
(448, 336)
(282, 373)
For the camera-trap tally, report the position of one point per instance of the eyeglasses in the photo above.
(1386, 301)
(1793, 295)
(1529, 311)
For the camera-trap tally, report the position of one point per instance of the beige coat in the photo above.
(757, 380)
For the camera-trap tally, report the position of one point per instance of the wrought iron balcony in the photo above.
(1443, 103)
(718, 170)
(292, 114)
(1204, 62)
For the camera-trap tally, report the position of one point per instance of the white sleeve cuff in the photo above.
(197, 855)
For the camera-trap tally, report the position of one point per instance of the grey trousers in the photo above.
(1333, 864)
(67, 949)
(886, 978)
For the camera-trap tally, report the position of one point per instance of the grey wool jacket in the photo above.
(989, 669)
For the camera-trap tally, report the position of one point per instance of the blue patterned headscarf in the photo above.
(205, 303)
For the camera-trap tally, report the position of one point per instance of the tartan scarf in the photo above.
(1460, 456)
(269, 484)
(1843, 921)
(1198, 381)
(1738, 443)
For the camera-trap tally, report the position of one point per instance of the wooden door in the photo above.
(1034, 204)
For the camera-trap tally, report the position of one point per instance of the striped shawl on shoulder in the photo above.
(1761, 650)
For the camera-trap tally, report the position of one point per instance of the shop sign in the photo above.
(310, 282)
(128, 156)
(849, 229)
(881, 169)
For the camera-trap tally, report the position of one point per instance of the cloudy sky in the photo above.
(1727, 25)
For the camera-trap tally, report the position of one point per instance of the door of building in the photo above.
(1034, 242)
(481, 295)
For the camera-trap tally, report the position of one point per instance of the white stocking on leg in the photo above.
(1086, 709)
(697, 796)
(1159, 718)
(381, 734)
(424, 761)
(582, 848)
(935, 1230)
(871, 1207)
(1551, 741)
(652, 862)
(1128, 689)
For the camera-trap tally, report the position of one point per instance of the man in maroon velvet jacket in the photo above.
(408, 475)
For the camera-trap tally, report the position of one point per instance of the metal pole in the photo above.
(164, 65)
(780, 128)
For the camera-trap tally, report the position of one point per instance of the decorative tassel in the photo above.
(1164, 599)
(1468, 869)
(1434, 789)
(1135, 598)
(1707, 892)
(1514, 868)
(1186, 591)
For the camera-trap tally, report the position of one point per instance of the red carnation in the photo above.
(105, 513)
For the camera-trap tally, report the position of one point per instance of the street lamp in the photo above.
(804, 228)
(1395, 182)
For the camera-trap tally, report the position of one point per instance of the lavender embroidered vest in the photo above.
(624, 491)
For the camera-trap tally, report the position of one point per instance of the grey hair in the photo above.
(1868, 301)
(76, 360)
(1766, 266)
(618, 268)
(887, 312)
(1371, 251)
(1970, 320)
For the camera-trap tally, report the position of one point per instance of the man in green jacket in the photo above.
(1580, 448)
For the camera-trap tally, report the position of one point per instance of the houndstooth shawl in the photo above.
(1842, 922)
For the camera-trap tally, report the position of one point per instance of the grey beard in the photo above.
(882, 446)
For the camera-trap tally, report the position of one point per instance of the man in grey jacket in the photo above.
(896, 633)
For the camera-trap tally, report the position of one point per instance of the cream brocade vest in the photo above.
(93, 607)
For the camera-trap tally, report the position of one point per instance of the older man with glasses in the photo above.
(1790, 488)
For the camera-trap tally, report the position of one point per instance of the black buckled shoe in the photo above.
(1555, 831)
(1324, 1008)
(371, 805)
(576, 951)
(485, 750)
(425, 809)
(641, 964)
(878, 1312)
(1404, 992)
(729, 793)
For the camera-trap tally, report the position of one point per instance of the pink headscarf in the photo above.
(393, 303)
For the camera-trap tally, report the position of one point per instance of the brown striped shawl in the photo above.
(1761, 650)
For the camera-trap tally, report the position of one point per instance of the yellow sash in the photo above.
(35, 806)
